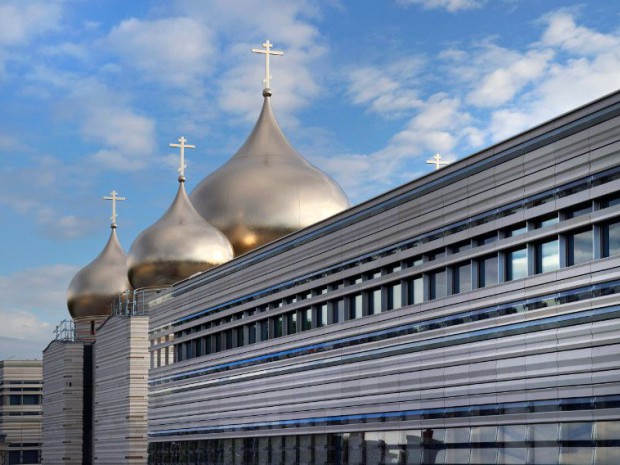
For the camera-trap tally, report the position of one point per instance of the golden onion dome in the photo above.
(95, 286)
(180, 244)
(267, 189)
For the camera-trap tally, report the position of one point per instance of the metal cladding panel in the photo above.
(121, 360)
(63, 403)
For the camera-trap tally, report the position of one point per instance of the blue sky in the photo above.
(93, 92)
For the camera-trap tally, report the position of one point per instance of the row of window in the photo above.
(578, 249)
(530, 202)
(443, 322)
(17, 399)
(485, 410)
(585, 443)
(568, 249)
(17, 457)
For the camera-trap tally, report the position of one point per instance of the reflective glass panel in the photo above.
(488, 271)
(516, 264)
(547, 256)
(462, 277)
(579, 246)
(438, 285)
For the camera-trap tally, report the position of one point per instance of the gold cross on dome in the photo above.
(437, 161)
(182, 146)
(114, 198)
(267, 46)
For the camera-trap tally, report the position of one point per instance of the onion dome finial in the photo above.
(95, 286)
(180, 244)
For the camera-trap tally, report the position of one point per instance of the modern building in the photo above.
(20, 411)
(471, 316)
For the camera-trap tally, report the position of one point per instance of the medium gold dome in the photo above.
(266, 190)
(94, 287)
(180, 244)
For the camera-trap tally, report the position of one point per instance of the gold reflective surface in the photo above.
(180, 244)
(93, 288)
(266, 190)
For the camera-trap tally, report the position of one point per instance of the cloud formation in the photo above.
(449, 5)
(33, 302)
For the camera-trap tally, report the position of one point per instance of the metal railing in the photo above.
(65, 331)
(139, 301)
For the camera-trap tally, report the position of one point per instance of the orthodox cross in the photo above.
(114, 198)
(267, 46)
(437, 161)
(182, 145)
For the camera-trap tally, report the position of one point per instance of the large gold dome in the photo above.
(94, 287)
(180, 244)
(266, 190)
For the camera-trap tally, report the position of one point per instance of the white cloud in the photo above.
(448, 5)
(502, 84)
(563, 32)
(176, 51)
(388, 90)
(297, 77)
(21, 22)
(33, 302)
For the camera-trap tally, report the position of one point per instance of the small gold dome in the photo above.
(266, 190)
(180, 244)
(94, 287)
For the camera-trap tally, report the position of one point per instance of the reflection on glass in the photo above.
(579, 247)
(488, 271)
(394, 296)
(355, 306)
(462, 278)
(516, 264)
(437, 284)
(611, 239)
(547, 256)
(374, 301)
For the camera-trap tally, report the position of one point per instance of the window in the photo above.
(437, 284)
(611, 239)
(374, 301)
(291, 323)
(579, 247)
(462, 277)
(394, 296)
(460, 247)
(516, 264)
(578, 210)
(30, 456)
(264, 330)
(355, 306)
(15, 399)
(337, 310)
(416, 290)
(306, 319)
(547, 221)
(277, 328)
(321, 315)
(547, 256)
(240, 338)
(488, 268)
(515, 230)
(487, 238)
(252, 333)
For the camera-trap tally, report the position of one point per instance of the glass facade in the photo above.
(581, 443)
